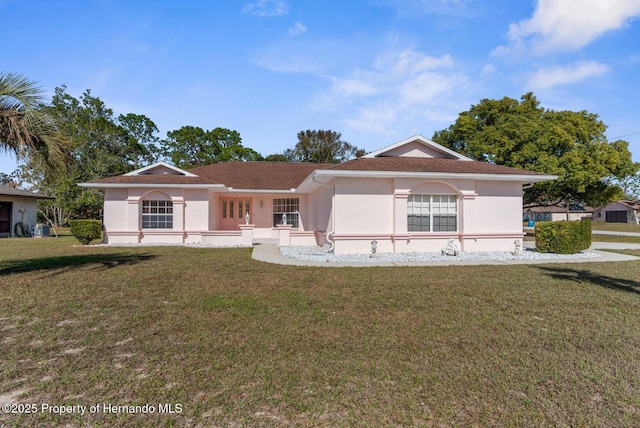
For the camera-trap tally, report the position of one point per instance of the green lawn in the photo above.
(615, 227)
(236, 342)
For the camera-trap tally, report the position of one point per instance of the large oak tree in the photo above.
(192, 146)
(569, 144)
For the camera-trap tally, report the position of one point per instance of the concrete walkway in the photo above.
(610, 232)
(270, 253)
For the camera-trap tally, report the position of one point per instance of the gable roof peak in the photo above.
(160, 166)
(426, 143)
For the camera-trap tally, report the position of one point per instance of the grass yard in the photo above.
(230, 341)
(615, 238)
(615, 227)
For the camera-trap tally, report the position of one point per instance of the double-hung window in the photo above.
(289, 207)
(157, 215)
(432, 213)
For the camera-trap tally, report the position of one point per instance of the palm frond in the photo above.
(19, 92)
(25, 128)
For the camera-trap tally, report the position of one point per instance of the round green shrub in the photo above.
(563, 237)
(86, 231)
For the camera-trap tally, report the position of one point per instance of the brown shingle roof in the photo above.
(152, 179)
(289, 175)
(258, 175)
(419, 164)
(239, 175)
(11, 191)
(634, 205)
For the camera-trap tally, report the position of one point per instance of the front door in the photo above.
(5, 219)
(233, 213)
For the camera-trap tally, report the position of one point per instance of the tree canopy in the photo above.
(569, 144)
(25, 127)
(322, 146)
(100, 145)
(192, 146)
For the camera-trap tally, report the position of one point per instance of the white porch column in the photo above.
(400, 234)
(247, 234)
(284, 234)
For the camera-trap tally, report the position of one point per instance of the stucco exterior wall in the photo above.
(600, 214)
(414, 149)
(196, 210)
(320, 209)
(376, 210)
(364, 210)
(122, 215)
(261, 212)
(116, 210)
(23, 210)
(496, 208)
(363, 206)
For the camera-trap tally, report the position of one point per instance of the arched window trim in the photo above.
(441, 212)
(156, 211)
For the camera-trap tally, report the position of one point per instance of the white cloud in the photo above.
(354, 86)
(487, 70)
(568, 25)
(399, 89)
(553, 76)
(268, 8)
(298, 28)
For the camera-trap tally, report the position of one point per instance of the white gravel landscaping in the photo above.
(318, 254)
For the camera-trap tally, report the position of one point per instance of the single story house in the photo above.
(18, 207)
(619, 212)
(576, 212)
(411, 196)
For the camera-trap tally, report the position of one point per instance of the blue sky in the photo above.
(378, 71)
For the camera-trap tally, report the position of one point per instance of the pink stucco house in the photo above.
(411, 196)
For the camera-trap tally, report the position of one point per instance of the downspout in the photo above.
(524, 187)
(184, 218)
(332, 228)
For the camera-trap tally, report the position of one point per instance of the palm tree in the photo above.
(25, 128)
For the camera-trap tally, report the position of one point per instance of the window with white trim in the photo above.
(432, 213)
(157, 215)
(289, 207)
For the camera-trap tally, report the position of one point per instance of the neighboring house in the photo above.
(17, 206)
(619, 212)
(414, 195)
(576, 212)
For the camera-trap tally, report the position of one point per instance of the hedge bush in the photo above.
(563, 237)
(86, 231)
